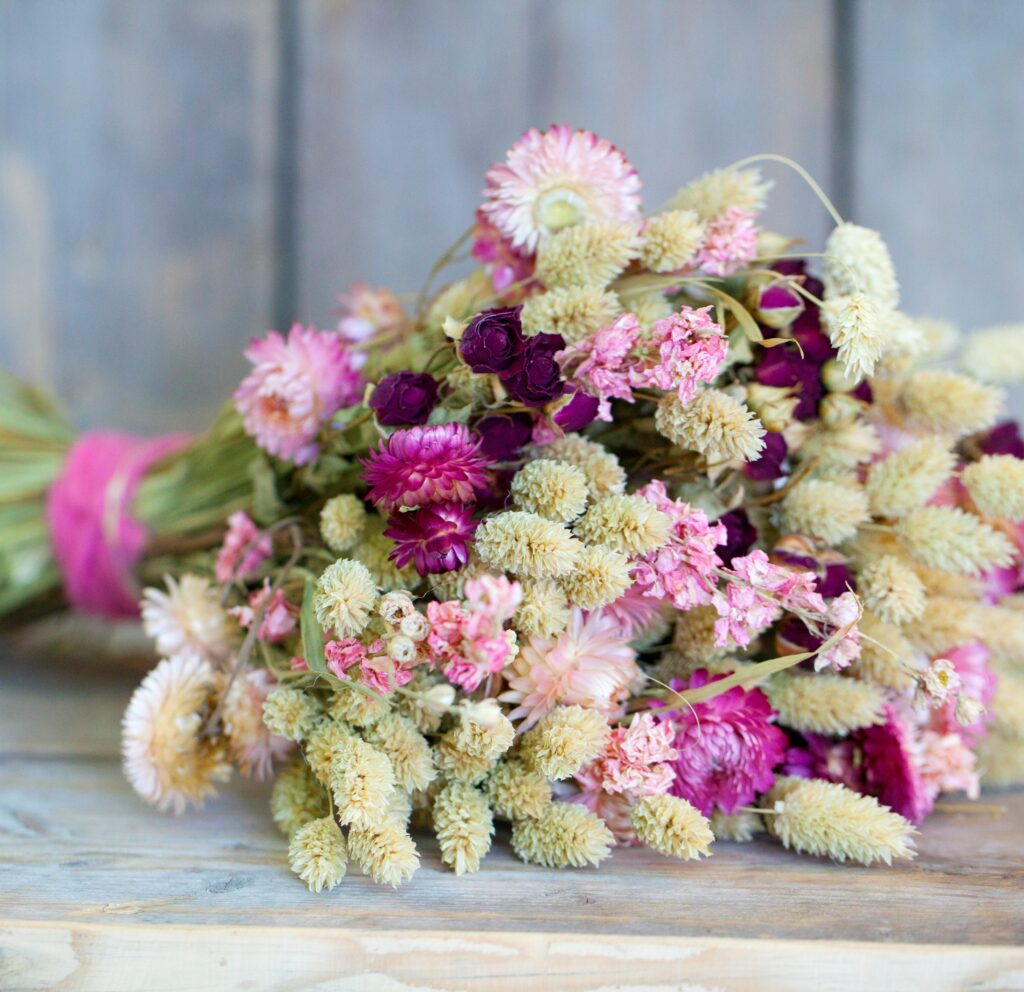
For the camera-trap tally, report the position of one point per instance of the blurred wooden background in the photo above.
(177, 175)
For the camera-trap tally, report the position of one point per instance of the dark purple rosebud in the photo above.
(493, 341)
(503, 435)
(784, 367)
(790, 266)
(778, 307)
(1003, 439)
(404, 398)
(536, 378)
(862, 392)
(769, 465)
(578, 412)
(792, 636)
(740, 535)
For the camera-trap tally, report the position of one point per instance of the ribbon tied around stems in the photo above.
(97, 541)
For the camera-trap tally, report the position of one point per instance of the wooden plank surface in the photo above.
(95, 886)
(137, 155)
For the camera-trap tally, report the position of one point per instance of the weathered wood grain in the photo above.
(137, 152)
(937, 149)
(404, 106)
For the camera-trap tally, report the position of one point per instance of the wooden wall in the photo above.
(177, 175)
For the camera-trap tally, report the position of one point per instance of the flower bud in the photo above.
(774, 405)
(395, 606)
(415, 626)
(401, 649)
(836, 378)
(837, 409)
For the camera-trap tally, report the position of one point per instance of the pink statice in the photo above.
(730, 243)
(439, 463)
(602, 363)
(683, 572)
(342, 654)
(636, 758)
(589, 664)
(840, 621)
(556, 178)
(278, 614)
(743, 613)
(369, 665)
(728, 746)
(505, 265)
(467, 640)
(297, 384)
(614, 808)
(243, 550)
(689, 348)
(435, 538)
(369, 313)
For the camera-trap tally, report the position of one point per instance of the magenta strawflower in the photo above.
(890, 768)
(297, 385)
(436, 464)
(728, 747)
(556, 178)
(434, 538)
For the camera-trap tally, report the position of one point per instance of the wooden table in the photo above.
(98, 892)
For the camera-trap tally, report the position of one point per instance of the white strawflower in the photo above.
(858, 261)
(165, 760)
(188, 618)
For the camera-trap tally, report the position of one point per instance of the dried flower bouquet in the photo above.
(651, 530)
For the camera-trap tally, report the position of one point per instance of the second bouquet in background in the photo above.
(647, 531)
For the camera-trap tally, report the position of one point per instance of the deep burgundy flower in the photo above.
(503, 435)
(740, 535)
(536, 377)
(578, 412)
(404, 398)
(792, 635)
(434, 538)
(784, 366)
(1003, 439)
(493, 341)
(889, 767)
(768, 465)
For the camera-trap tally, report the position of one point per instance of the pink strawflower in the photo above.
(434, 538)
(278, 616)
(243, 550)
(297, 385)
(505, 264)
(557, 178)
(493, 598)
(634, 611)
(369, 313)
(634, 760)
(690, 349)
(730, 242)
(946, 764)
(434, 464)
(728, 747)
(603, 363)
(683, 572)
(253, 747)
(590, 664)
(614, 809)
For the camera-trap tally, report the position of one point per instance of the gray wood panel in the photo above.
(403, 107)
(938, 150)
(136, 208)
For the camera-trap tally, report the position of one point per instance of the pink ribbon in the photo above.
(89, 509)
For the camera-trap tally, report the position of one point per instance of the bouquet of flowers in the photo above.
(650, 530)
